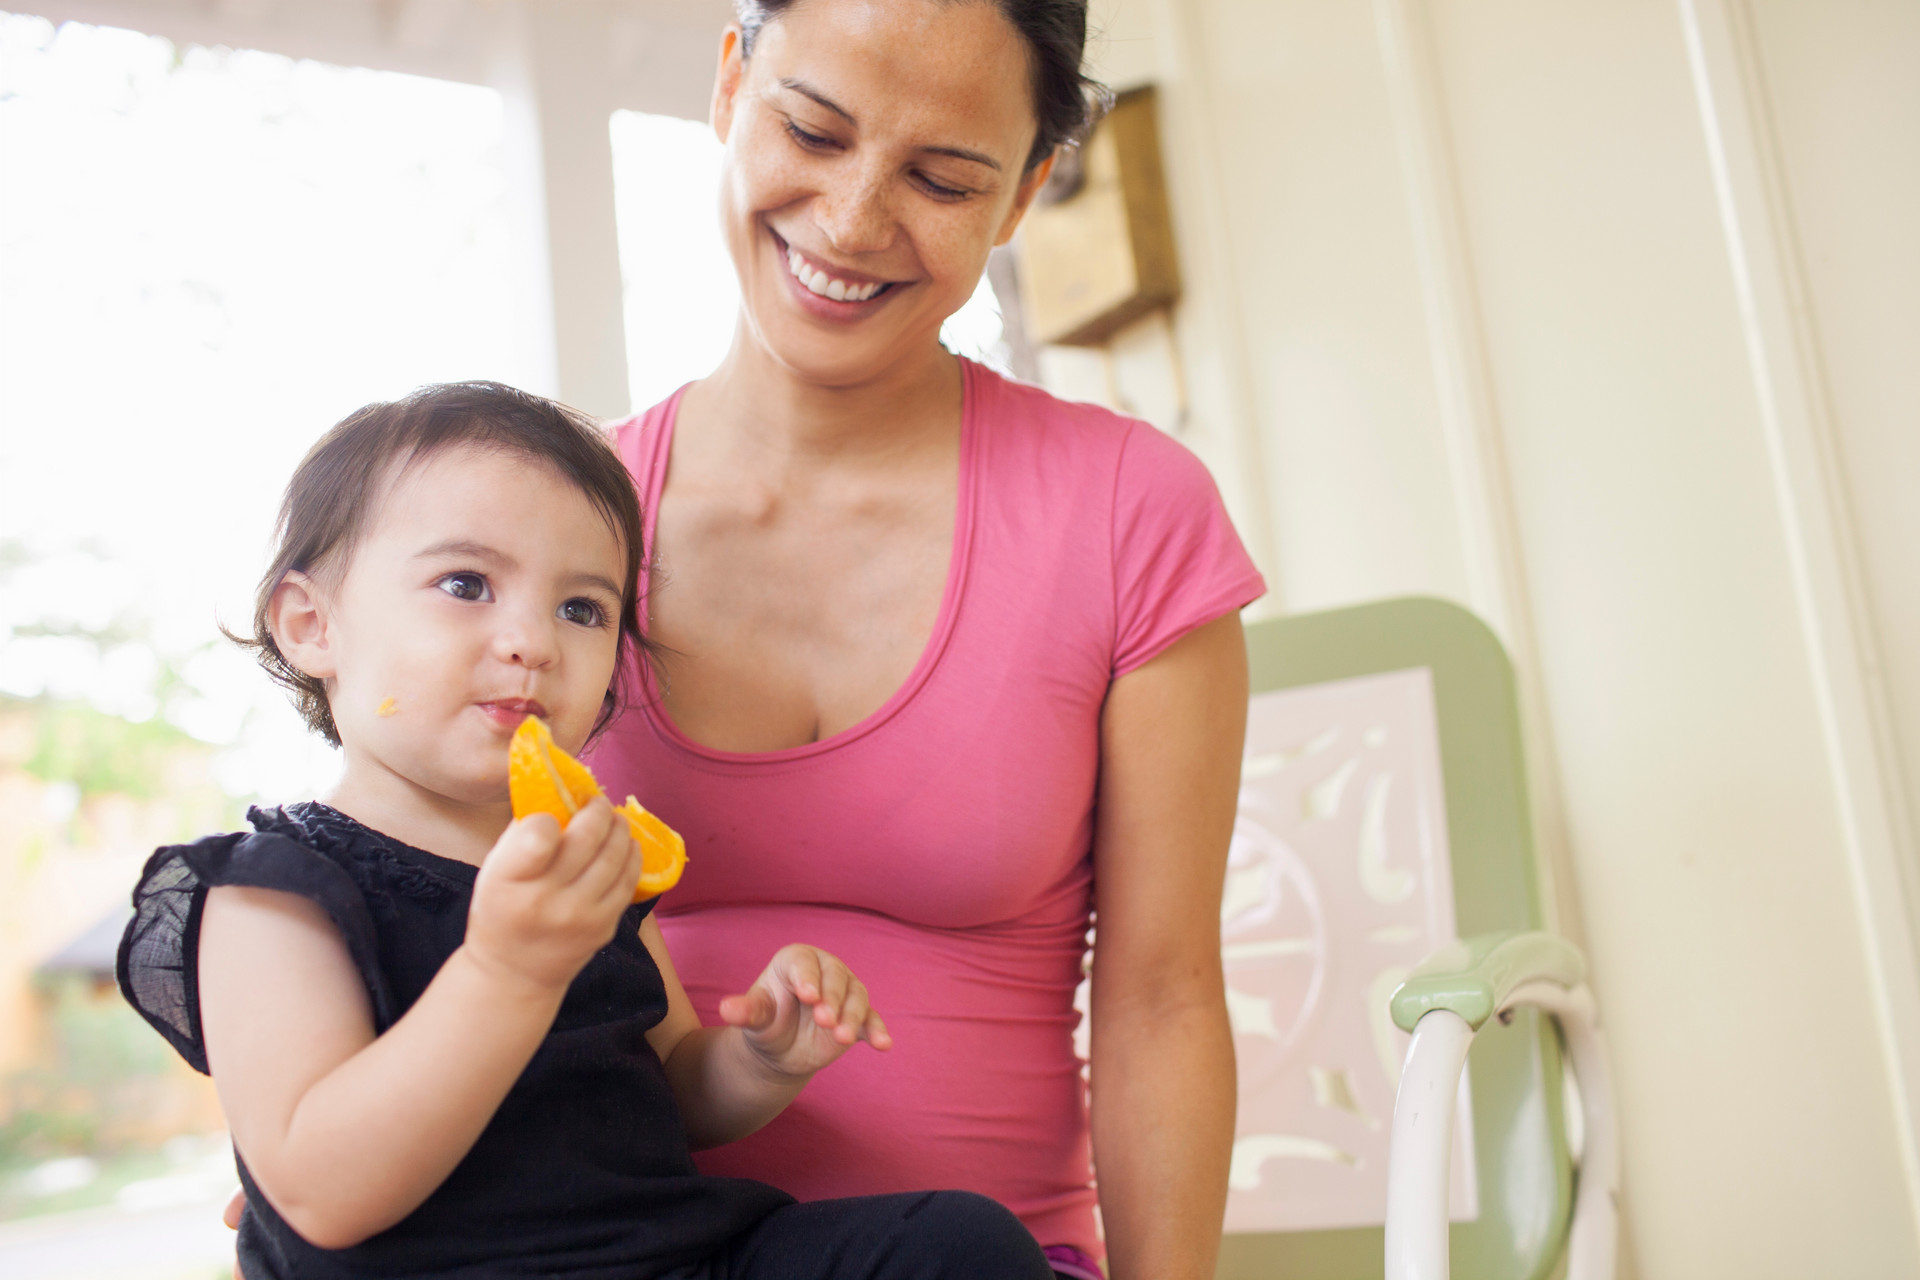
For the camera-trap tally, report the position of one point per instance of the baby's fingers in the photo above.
(875, 1032)
(580, 846)
(610, 877)
(799, 968)
(754, 1011)
(526, 849)
(850, 1023)
(836, 984)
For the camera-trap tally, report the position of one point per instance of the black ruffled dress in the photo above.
(584, 1170)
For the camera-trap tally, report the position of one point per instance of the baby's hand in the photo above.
(806, 1010)
(547, 899)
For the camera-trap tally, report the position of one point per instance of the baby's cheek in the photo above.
(591, 669)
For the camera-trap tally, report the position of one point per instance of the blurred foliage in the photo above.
(96, 1091)
(75, 742)
(99, 753)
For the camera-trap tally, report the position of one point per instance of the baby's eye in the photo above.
(466, 586)
(583, 612)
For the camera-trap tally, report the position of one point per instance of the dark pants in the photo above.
(925, 1235)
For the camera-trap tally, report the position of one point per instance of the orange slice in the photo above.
(541, 778)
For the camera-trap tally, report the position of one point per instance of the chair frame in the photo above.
(1444, 1004)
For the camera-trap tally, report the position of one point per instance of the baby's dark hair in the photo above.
(1066, 101)
(329, 502)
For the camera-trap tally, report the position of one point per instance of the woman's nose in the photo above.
(857, 217)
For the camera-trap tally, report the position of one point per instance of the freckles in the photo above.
(779, 182)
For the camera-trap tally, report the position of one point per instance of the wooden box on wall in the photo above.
(1103, 256)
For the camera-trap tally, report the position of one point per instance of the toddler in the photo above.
(446, 1042)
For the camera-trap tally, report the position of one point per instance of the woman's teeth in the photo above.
(825, 285)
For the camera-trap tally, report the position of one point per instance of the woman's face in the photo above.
(875, 155)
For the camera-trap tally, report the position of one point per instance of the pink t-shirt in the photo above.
(942, 846)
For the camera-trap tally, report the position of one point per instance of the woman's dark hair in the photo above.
(1066, 101)
(330, 501)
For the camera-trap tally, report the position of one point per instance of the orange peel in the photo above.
(541, 778)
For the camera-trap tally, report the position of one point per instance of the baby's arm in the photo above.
(805, 1010)
(345, 1132)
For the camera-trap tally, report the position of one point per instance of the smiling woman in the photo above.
(912, 195)
(946, 663)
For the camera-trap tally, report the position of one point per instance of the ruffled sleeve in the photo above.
(1177, 561)
(157, 966)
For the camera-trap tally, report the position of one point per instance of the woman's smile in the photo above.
(829, 281)
(828, 291)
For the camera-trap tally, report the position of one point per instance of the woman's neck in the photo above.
(777, 413)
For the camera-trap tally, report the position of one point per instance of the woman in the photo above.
(950, 663)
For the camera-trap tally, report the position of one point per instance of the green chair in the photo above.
(1384, 820)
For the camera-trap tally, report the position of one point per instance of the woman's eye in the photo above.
(583, 613)
(811, 141)
(941, 191)
(465, 586)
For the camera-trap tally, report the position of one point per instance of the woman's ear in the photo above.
(297, 620)
(726, 81)
(1030, 184)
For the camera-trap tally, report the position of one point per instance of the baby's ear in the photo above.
(297, 619)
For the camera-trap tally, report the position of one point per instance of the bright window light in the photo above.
(680, 290)
(206, 258)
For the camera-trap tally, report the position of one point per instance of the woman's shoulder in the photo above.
(1146, 499)
(1034, 431)
(1007, 403)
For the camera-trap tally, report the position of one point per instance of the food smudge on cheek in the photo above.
(386, 708)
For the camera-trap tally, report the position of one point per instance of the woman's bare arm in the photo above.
(1163, 1078)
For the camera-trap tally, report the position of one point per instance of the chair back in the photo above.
(1383, 813)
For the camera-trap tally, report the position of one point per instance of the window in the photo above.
(207, 256)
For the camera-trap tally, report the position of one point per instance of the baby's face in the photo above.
(486, 589)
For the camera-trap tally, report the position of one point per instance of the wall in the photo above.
(1471, 312)
(1845, 98)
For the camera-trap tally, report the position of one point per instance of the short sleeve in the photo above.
(158, 960)
(1177, 561)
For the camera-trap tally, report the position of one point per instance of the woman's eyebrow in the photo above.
(806, 90)
(961, 153)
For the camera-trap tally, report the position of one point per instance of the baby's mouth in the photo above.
(821, 281)
(515, 709)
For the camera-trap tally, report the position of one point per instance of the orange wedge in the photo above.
(541, 778)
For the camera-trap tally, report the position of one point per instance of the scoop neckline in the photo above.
(654, 708)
